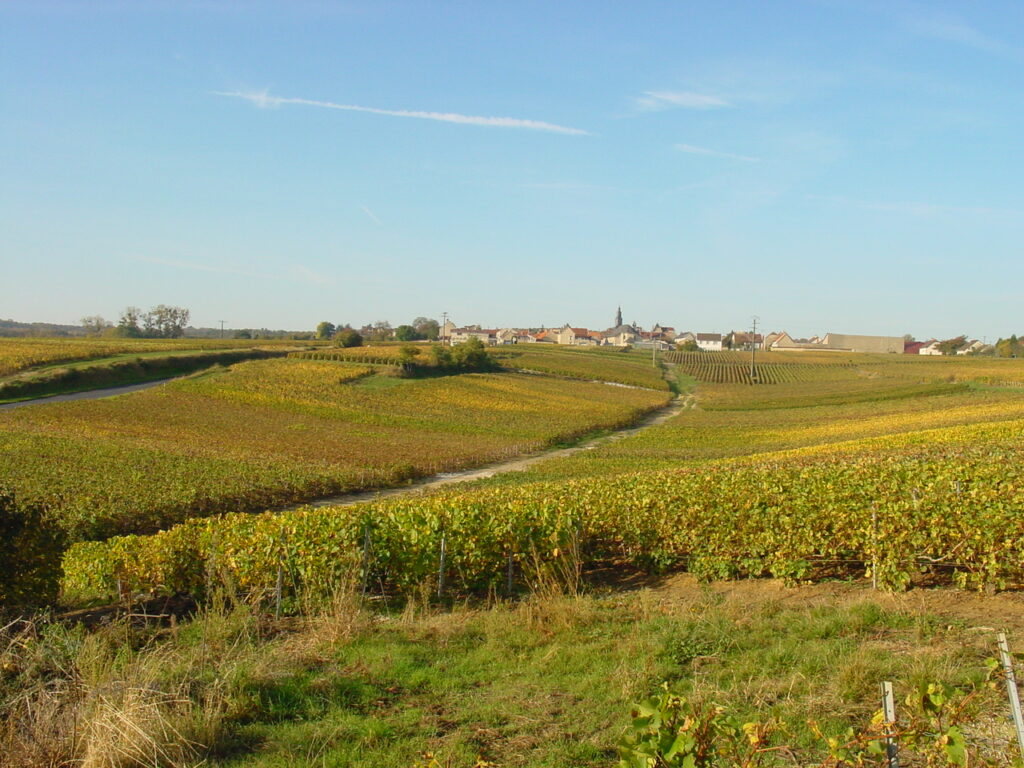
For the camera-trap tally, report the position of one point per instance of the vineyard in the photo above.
(782, 367)
(948, 505)
(735, 368)
(833, 474)
(270, 433)
(621, 367)
(19, 354)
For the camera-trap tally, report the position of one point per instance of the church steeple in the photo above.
(618, 318)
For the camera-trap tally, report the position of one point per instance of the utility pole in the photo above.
(444, 328)
(753, 349)
(222, 329)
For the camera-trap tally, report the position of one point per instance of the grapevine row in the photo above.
(892, 507)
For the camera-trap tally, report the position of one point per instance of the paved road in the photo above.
(92, 394)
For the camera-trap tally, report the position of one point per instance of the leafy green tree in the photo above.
(406, 333)
(348, 337)
(325, 330)
(1010, 347)
(471, 355)
(950, 346)
(440, 356)
(128, 324)
(427, 328)
(165, 322)
(688, 346)
(243, 334)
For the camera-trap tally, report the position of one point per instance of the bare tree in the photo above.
(95, 324)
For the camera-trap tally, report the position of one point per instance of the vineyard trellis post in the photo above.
(1011, 690)
(441, 568)
(892, 759)
(365, 567)
(508, 572)
(874, 547)
(278, 588)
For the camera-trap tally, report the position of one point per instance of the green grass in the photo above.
(543, 683)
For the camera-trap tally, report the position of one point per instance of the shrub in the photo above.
(30, 555)
(347, 337)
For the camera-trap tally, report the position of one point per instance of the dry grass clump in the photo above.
(125, 696)
(73, 698)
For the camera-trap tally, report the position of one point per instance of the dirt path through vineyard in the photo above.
(659, 416)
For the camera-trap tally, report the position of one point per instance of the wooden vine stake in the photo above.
(1011, 690)
(508, 572)
(892, 759)
(365, 567)
(278, 589)
(874, 546)
(441, 568)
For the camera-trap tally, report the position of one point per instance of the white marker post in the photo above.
(892, 759)
(1011, 690)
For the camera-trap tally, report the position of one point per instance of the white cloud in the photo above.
(692, 150)
(263, 100)
(659, 100)
(953, 30)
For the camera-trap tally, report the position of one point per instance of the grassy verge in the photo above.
(119, 371)
(545, 682)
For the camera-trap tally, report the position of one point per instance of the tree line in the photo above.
(421, 329)
(160, 322)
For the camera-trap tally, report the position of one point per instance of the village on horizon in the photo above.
(665, 337)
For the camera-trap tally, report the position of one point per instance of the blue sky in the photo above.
(826, 165)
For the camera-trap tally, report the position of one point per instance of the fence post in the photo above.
(508, 572)
(440, 568)
(1011, 690)
(892, 759)
(278, 589)
(874, 547)
(366, 558)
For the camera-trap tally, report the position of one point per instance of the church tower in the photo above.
(618, 318)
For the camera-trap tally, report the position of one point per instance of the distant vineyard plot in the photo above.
(794, 367)
(273, 432)
(629, 367)
(20, 354)
(735, 368)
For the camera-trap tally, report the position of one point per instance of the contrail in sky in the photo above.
(262, 99)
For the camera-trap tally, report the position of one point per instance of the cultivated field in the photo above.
(19, 354)
(628, 367)
(922, 485)
(782, 367)
(486, 621)
(267, 433)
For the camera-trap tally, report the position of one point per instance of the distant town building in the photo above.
(709, 342)
(839, 342)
